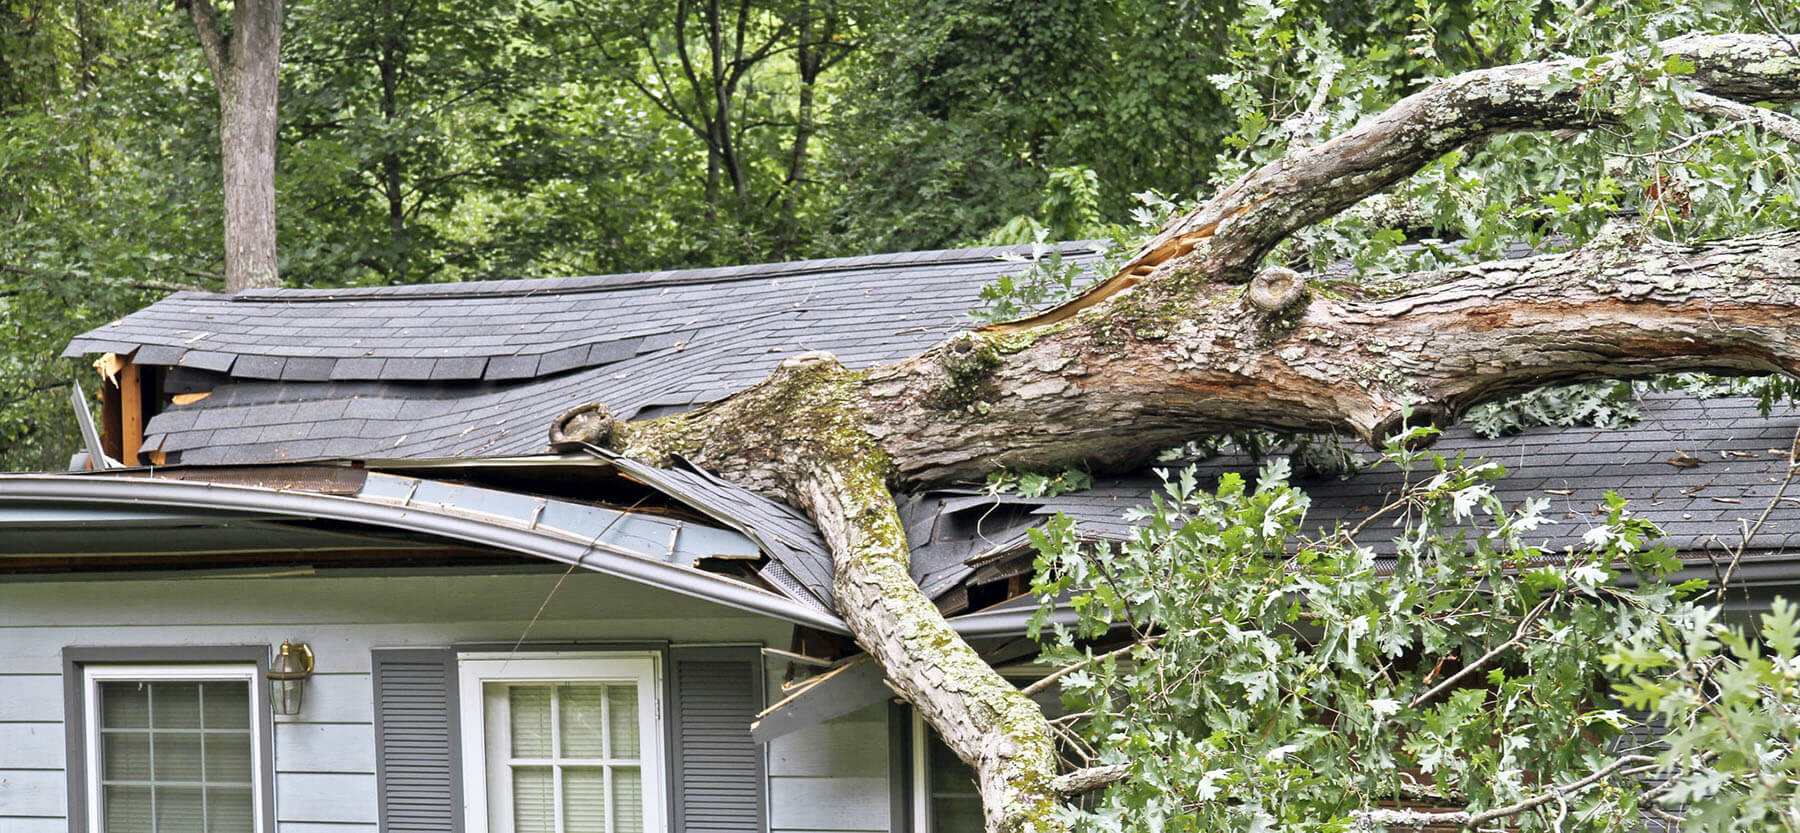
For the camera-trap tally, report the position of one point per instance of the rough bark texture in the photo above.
(1181, 356)
(802, 434)
(245, 64)
(1177, 345)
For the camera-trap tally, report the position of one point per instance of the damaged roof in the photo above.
(477, 371)
(480, 369)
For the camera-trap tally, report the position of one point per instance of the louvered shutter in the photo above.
(417, 742)
(719, 785)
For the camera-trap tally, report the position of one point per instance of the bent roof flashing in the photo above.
(423, 506)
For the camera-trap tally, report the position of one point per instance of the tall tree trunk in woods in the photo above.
(1191, 337)
(245, 63)
(392, 168)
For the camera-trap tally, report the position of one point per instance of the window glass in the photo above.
(955, 800)
(572, 756)
(174, 756)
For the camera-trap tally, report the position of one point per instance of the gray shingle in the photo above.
(258, 367)
(307, 369)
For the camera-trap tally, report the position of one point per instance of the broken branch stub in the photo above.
(1276, 289)
(590, 423)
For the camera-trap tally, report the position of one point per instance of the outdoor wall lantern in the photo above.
(287, 679)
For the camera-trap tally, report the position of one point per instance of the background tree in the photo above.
(244, 52)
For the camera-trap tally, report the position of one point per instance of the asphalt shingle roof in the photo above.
(480, 369)
(1704, 509)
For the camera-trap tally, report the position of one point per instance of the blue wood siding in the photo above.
(831, 777)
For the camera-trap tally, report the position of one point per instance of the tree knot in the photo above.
(1277, 289)
(590, 423)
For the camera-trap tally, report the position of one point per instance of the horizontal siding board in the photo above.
(31, 697)
(32, 745)
(311, 796)
(41, 792)
(344, 648)
(333, 698)
(34, 824)
(325, 747)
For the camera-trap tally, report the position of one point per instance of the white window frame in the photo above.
(96, 673)
(921, 774)
(476, 670)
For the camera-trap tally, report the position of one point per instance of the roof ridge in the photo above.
(526, 287)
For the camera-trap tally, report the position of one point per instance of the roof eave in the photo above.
(139, 492)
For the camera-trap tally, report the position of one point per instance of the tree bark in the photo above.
(245, 64)
(1184, 342)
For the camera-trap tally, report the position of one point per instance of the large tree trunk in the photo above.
(1185, 341)
(245, 66)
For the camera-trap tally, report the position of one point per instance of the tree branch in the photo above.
(1383, 816)
(214, 43)
(1517, 637)
(1779, 124)
(1228, 235)
(1184, 356)
(1089, 779)
(1051, 678)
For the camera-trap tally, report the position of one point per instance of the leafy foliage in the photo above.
(1730, 703)
(1278, 680)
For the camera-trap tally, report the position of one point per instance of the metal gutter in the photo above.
(595, 555)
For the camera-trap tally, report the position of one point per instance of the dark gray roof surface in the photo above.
(1703, 509)
(480, 369)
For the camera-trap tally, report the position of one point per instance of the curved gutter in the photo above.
(596, 555)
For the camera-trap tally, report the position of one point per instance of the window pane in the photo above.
(955, 799)
(582, 734)
(624, 720)
(175, 705)
(124, 705)
(534, 800)
(584, 800)
(228, 810)
(226, 705)
(956, 815)
(530, 707)
(125, 756)
(628, 800)
(179, 810)
(228, 757)
(177, 756)
(127, 809)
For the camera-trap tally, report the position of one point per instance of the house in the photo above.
(344, 585)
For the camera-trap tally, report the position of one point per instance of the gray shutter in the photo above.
(719, 784)
(418, 746)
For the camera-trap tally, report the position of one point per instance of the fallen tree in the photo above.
(1193, 336)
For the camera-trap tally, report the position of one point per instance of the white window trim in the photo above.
(921, 776)
(475, 670)
(94, 674)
